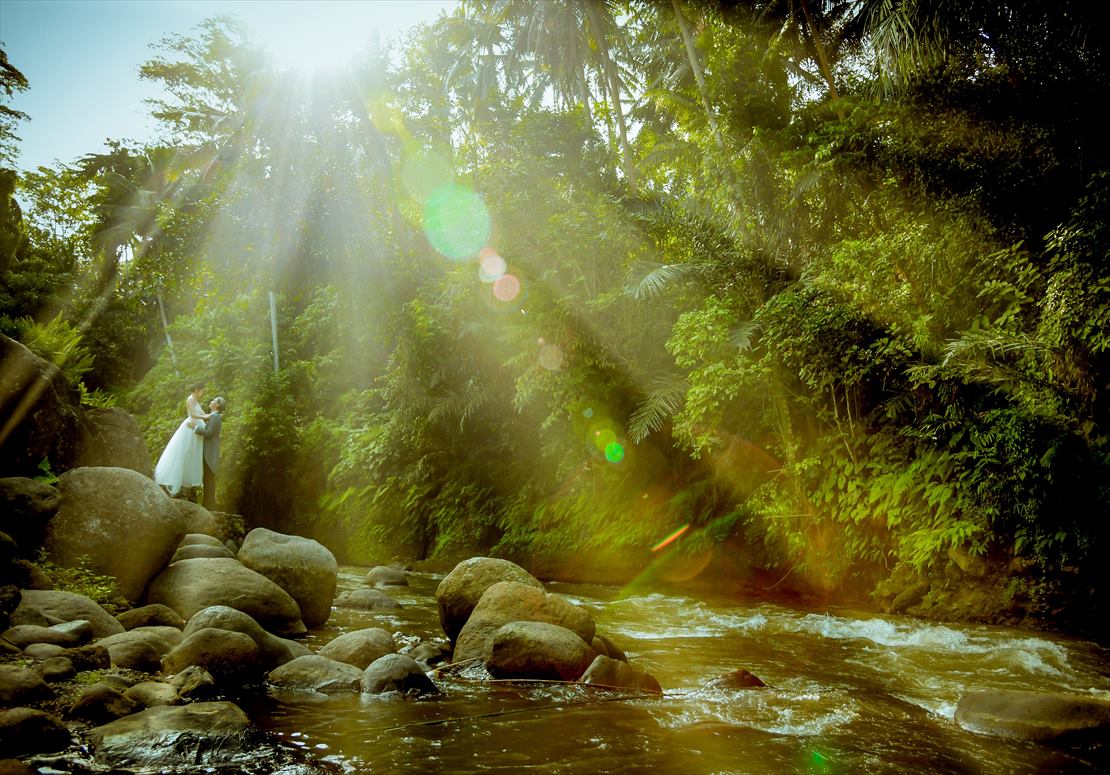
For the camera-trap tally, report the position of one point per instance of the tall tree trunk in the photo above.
(166, 331)
(610, 71)
(273, 329)
(822, 59)
(695, 65)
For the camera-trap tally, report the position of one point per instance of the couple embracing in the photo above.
(193, 454)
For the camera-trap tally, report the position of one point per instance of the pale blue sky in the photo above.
(82, 57)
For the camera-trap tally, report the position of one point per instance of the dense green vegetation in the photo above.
(826, 282)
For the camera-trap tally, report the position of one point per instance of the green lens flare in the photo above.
(614, 452)
(456, 221)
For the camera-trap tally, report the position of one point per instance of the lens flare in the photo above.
(671, 538)
(603, 437)
(456, 221)
(551, 357)
(614, 452)
(506, 287)
(423, 173)
(491, 267)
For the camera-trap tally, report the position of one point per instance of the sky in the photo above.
(82, 57)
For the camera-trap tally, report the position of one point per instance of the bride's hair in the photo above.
(195, 387)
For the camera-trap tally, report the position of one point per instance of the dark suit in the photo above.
(211, 434)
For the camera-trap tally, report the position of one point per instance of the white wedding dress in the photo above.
(181, 464)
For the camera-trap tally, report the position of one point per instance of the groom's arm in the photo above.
(211, 428)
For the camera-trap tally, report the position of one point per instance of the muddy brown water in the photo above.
(849, 692)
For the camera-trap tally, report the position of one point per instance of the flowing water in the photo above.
(848, 692)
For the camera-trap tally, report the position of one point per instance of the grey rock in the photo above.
(136, 653)
(737, 679)
(169, 736)
(193, 683)
(511, 601)
(386, 576)
(47, 607)
(199, 520)
(148, 615)
(193, 551)
(200, 539)
(23, 635)
(604, 671)
(226, 655)
(44, 650)
(170, 635)
(49, 414)
(56, 669)
(538, 650)
(118, 521)
(152, 693)
(27, 731)
(191, 585)
(396, 673)
(111, 437)
(302, 567)
(101, 703)
(462, 588)
(367, 600)
(316, 673)
(273, 651)
(1035, 716)
(26, 505)
(22, 686)
(360, 647)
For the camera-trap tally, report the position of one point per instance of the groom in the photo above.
(211, 434)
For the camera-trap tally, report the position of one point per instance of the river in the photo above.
(848, 692)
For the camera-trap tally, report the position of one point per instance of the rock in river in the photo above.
(191, 585)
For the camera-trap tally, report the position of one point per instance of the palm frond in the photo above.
(661, 403)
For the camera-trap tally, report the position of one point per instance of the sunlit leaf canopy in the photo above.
(817, 288)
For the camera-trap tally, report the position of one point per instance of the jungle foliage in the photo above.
(830, 286)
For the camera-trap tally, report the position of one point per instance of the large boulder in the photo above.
(118, 521)
(26, 506)
(48, 607)
(273, 651)
(360, 647)
(316, 673)
(302, 567)
(538, 650)
(1036, 716)
(511, 601)
(463, 587)
(224, 654)
(396, 673)
(111, 437)
(188, 586)
(41, 411)
(166, 736)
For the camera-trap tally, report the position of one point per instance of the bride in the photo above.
(181, 462)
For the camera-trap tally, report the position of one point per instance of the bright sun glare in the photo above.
(325, 35)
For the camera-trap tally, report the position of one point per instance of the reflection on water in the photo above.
(846, 693)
